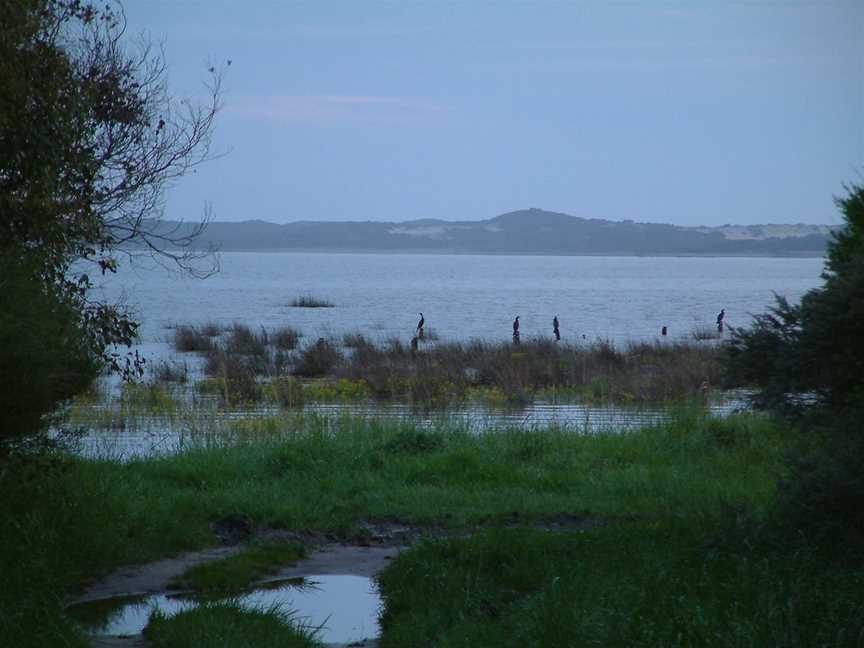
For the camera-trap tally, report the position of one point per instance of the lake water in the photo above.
(462, 297)
(465, 296)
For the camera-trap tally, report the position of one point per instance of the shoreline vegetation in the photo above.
(244, 366)
(482, 505)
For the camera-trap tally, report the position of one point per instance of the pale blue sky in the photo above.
(687, 112)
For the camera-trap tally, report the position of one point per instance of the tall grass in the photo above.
(189, 338)
(68, 520)
(223, 625)
(642, 583)
(637, 373)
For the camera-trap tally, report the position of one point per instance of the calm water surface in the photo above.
(462, 297)
(466, 296)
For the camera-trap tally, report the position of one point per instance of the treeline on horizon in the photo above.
(531, 231)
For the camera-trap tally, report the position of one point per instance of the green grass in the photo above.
(227, 625)
(645, 583)
(237, 572)
(68, 520)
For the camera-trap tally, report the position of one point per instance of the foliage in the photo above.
(89, 139)
(812, 353)
(807, 360)
(44, 358)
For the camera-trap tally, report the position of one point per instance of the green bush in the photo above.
(45, 356)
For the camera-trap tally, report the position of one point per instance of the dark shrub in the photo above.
(285, 338)
(166, 371)
(44, 351)
(212, 329)
(318, 360)
(355, 341)
(243, 341)
(188, 338)
(237, 377)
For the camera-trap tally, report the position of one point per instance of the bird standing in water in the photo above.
(420, 326)
(720, 320)
(555, 329)
(516, 330)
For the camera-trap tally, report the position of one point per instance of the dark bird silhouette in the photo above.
(555, 328)
(420, 326)
(663, 331)
(161, 124)
(516, 325)
(720, 317)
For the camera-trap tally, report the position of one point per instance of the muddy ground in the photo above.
(365, 553)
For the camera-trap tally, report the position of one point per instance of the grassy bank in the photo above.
(72, 519)
(657, 583)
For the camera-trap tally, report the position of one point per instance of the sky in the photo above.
(692, 112)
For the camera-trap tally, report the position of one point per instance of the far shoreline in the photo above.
(440, 252)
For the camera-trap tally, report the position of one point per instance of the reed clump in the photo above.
(189, 338)
(636, 373)
(285, 338)
(319, 359)
(310, 301)
(244, 341)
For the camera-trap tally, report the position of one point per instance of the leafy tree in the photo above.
(807, 360)
(812, 354)
(89, 141)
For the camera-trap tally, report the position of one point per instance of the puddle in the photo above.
(344, 607)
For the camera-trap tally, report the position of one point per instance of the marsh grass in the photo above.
(73, 519)
(227, 625)
(439, 374)
(702, 333)
(355, 341)
(190, 338)
(235, 573)
(285, 338)
(242, 340)
(170, 372)
(319, 359)
(639, 373)
(309, 301)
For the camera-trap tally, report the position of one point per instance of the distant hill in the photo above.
(527, 231)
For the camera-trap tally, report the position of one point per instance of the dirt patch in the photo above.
(151, 578)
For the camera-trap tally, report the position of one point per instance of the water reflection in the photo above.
(205, 425)
(343, 608)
